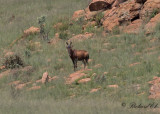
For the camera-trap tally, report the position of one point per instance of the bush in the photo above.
(13, 61)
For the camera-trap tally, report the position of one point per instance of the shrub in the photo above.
(13, 61)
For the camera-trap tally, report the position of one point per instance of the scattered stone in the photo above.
(52, 78)
(39, 81)
(45, 77)
(94, 90)
(21, 86)
(76, 75)
(116, 16)
(113, 86)
(85, 80)
(14, 71)
(31, 30)
(155, 88)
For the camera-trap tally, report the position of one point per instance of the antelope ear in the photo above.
(67, 43)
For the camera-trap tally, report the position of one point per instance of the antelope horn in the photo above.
(70, 43)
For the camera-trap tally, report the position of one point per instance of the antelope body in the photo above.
(77, 55)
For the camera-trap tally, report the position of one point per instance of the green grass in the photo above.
(114, 57)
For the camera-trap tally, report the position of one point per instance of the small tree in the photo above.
(42, 22)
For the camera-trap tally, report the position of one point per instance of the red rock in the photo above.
(38, 81)
(31, 30)
(53, 78)
(85, 80)
(45, 77)
(76, 75)
(120, 15)
(113, 86)
(155, 88)
(148, 7)
(134, 27)
(97, 5)
(14, 82)
(21, 86)
(94, 90)
(78, 14)
(152, 23)
(117, 2)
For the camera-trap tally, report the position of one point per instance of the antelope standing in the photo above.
(77, 55)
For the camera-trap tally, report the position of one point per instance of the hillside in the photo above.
(37, 74)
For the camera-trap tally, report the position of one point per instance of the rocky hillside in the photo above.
(37, 74)
(130, 16)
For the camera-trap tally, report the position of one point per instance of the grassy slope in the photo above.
(57, 100)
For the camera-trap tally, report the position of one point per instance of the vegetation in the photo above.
(116, 53)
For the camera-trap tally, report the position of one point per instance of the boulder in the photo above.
(140, 1)
(149, 27)
(126, 12)
(134, 27)
(45, 77)
(149, 7)
(97, 5)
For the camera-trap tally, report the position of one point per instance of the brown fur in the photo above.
(77, 55)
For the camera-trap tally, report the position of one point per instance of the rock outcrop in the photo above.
(149, 7)
(126, 12)
(152, 23)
